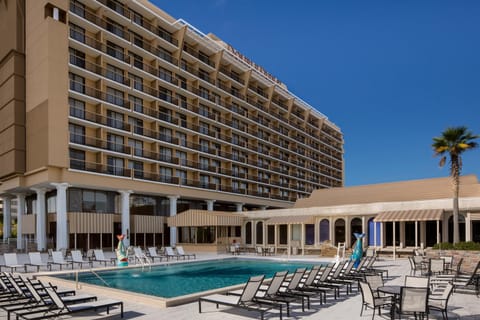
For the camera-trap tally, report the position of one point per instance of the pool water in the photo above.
(180, 279)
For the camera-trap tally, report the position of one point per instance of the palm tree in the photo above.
(453, 142)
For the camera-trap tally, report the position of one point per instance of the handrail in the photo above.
(77, 286)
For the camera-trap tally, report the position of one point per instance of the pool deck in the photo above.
(461, 305)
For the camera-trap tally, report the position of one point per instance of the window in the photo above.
(137, 147)
(165, 74)
(114, 119)
(182, 100)
(77, 159)
(204, 93)
(183, 119)
(77, 33)
(204, 163)
(137, 60)
(203, 127)
(137, 18)
(115, 166)
(77, 83)
(203, 110)
(182, 81)
(215, 164)
(164, 54)
(137, 167)
(77, 108)
(115, 142)
(182, 156)
(137, 125)
(165, 154)
(115, 96)
(182, 176)
(77, 133)
(136, 102)
(165, 94)
(204, 145)
(115, 51)
(165, 114)
(77, 57)
(137, 39)
(215, 181)
(165, 134)
(137, 81)
(77, 8)
(204, 181)
(114, 73)
(165, 174)
(204, 75)
(115, 28)
(83, 200)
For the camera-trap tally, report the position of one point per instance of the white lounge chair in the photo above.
(36, 261)
(58, 259)
(11, 262)
(181, 252)
(152, 251)
(140, 256)
(78, 259)
(171, 254)
(100, 257)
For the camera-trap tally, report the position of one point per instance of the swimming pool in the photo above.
(174, 280)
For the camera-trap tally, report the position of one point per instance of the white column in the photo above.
(438, 232)
(41, 219)
(348, 232)
(365, 231)
(416, 234)
(239, 207)
(20, 213)
(375, 234)
(62, 228)
(7, 217)
(173, 212)
(402, 234)
(423, 234)
(210, 204)
(332, 231)
(125, 211)
(394, 241)
(468, 227)
(382, 235)
(302, 237)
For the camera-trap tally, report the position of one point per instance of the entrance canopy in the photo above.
(204, 218)
(410, 215)
(291, 220)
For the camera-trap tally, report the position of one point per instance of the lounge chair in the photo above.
(266, 291)
(38, 302)
(171, 254)
(78, 259)
(181, 252)
(100, 257)
(244, 301)
(11, 262)
(61, 308)
(140, 256)
(58, 259)
(468, 281)
(152, 252)
(36, 261)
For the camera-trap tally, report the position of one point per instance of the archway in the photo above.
(248, 233)
(324, 230)
(259, 233)
(339, 231)
(355, 227)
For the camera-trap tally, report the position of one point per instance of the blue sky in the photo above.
(391, 74)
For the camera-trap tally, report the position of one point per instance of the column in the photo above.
(468, 227)
(423, 234)
(62, 227)
(348, 232)
(173, 212)
(239, 207)
(394, 241)
(7, 217)
(210, 204)
(382, 234)
(41, 219)
(438, 232)
(125, 211)
(402, 234)
(20, 213)
(416, 234)
(365, 231)
(302, 239)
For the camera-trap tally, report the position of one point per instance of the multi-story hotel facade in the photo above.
(114, 115)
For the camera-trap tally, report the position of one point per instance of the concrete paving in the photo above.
(461, 305)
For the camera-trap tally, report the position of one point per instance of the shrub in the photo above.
(470, 245)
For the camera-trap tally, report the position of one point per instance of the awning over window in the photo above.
(410, 215)
(204, 218)
(292, 220)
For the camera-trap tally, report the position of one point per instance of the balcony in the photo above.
(99, 168)
(97, 94)
(98, 143)
(98, 119)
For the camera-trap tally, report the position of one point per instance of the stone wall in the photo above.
(470, 258)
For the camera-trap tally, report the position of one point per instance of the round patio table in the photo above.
(393, 290)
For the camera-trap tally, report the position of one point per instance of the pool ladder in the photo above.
(77, 284)
(144, 261)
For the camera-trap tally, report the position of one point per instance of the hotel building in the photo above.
(114, 116)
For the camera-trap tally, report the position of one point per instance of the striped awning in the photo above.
(292, 220)
(410, 215)
(204, 218)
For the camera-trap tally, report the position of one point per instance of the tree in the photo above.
(453, 142)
